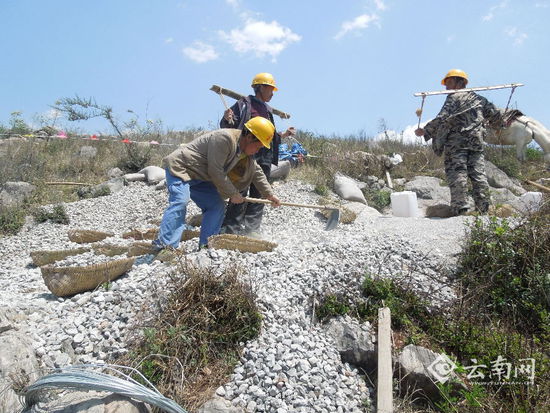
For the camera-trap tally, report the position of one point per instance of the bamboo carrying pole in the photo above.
(67, 183)
(471, 89)
(222, 91)
(539, 186)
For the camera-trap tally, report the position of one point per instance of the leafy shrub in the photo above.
(377, 198)
(505, 269)
(58, 215)
(87, 192)
(332, 305)
(137, 157)
(321, 190)
(199, 334)
(11, 220)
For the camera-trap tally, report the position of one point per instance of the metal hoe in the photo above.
(333, 219)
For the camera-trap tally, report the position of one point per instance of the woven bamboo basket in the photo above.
(82, 236)
(141, 248)
(64, 281)
(140, 234)
(190, 234)
(240, 243)
(110, 250)
(44, 257)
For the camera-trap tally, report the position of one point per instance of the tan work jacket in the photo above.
(210, 157)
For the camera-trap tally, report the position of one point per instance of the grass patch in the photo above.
(195, 342)
(500, 320)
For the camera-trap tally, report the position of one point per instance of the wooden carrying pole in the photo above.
(384, 396)
(471, 89)
(222, 91)
(539, 186)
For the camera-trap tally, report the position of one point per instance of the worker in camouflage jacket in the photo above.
(458, 132)
(246, 218)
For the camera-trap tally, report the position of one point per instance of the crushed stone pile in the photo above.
(293, 366)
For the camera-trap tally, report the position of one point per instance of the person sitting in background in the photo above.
(458, 131)
(216, 165)
(248, 216)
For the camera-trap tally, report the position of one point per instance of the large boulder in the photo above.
(364, 213)
(219, 405)
(354, 342)
(153, 174)
(18, 363)
(348, 189)
(89, 402)
(420, 370)
(15, 193)
(498, 179)
(280, 171)
(428, 187)
(501, 196)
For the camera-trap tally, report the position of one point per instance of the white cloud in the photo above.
(260, 38)
(451, 38)
(380, 4)
(233, 3)
(169, 40)
(516, 35)
(489, 16)
(200, 52)
(406, 136)
(359, 23)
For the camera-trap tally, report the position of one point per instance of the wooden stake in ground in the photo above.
(384, 397)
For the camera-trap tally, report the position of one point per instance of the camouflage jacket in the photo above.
(461, 122)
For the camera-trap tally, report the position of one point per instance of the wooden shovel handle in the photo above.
(265, 201)
(539, 186)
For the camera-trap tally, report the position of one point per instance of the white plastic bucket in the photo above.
(404, 204)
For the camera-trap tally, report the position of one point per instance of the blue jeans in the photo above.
(205, 195)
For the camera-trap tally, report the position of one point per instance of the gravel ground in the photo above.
(292, 366)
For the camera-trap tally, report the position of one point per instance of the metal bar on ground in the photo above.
(471, 89)
(384, 396)
(237, 96)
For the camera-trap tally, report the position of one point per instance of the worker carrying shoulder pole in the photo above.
(203, 170)
(247, 217)
(458, 132)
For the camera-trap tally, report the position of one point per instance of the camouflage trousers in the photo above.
(461, 164)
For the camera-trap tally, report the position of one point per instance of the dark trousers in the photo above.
(245, 217)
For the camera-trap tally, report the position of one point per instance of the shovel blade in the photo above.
(333, 220)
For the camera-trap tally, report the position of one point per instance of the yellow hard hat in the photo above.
(455, 73)
(262, 129)
(264, 79)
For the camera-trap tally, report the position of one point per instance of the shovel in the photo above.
(333, 219)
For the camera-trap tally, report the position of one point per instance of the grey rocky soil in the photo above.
(293, 366)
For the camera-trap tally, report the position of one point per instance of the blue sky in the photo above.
(340, 67)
